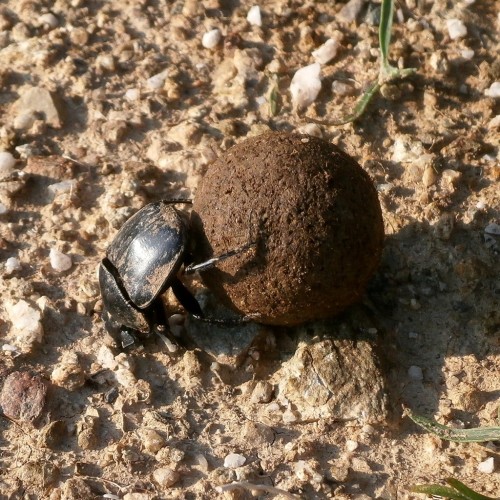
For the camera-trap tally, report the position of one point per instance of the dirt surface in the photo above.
(109, 105)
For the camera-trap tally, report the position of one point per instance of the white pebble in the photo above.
(211, 38)
(12, 264)
(132, 94)
(487, 467)
(494, 90)
(24, 121)
(311, 129)
(61, 187)
(48, 20)
(157, 81)
(59, 261)
(305, 86)
(7, 162)
(234, 460)
(326, 52)
(351, 445)
(456, 28)
(27, 324)
(481, 205)
(254, 16)
(3, 209)
(415, 373)
(467, 54)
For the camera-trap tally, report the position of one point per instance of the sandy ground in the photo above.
(107, 138)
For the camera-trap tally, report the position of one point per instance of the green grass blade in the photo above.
(384, 31)
(359, 109)
(465, 490)
(437, 489)
(476, 435)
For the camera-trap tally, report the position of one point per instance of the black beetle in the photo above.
(142, 263)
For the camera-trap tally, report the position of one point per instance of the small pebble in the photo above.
(311, 129)
(211, 38)
(342, 88)
(48, 20)
(305, 86)
(351, 10)
(254, 16)
(467, 54)
(157, 81)
(351, 445)
(26, 321)
(3, 209)
(12, 264)
(493, 90)
(487, 466)
(7, 163)
(68, 373)
(493, 229)
(234, 460)
(327, 51)
(23, 396)
(415, 373)
(59, 261)
(165, 477)
(132, 94)
(153, 441)
(456, 28)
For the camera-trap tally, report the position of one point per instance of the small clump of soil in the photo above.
(314, 216)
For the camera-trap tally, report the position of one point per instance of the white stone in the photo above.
(24, 121)
(494, 90)
(211, 38)
(7, 162)
(62, 187)
(254, 16)
(326, 52)
(157, 81)
(26, 322)
(311, 129)
(415, 373)
(407, 150)
(487, 466)
(3, 209)
(234, 460)
(351, 445)
(106, 358)
(467, 54)
(456, 28)
(305, 86)
(48, 20)
(132, 94)
(59, 261)
(12, 264)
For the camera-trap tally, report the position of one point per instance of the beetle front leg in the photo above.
(210, 263)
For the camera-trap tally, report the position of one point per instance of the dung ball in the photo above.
(312, 217)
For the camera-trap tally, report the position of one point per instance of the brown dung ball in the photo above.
(314, 216)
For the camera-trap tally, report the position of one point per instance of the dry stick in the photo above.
(256, 487)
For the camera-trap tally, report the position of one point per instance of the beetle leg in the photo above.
(186, 298)
(174, 201)
(210, 263)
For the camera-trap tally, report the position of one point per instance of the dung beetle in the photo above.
(142, 263)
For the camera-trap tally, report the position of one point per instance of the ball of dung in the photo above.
(313, 215)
